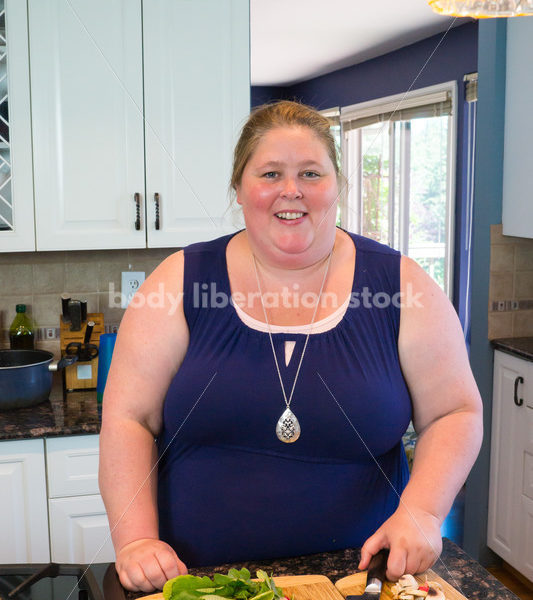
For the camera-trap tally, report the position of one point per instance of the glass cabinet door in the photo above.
(6, 201)
(16, 181)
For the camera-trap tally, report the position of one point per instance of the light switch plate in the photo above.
(131, 282)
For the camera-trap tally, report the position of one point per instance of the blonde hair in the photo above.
(283, 113)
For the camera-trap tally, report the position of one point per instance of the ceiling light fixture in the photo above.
(480, 9)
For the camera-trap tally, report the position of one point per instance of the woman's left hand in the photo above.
(413, 537)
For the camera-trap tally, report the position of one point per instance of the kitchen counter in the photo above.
(455, 566)
(519, 346)
(79, 413)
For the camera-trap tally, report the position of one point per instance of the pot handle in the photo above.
(64, 362)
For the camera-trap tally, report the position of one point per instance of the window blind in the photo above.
(470, 80)
(332, 115)
(430, 105)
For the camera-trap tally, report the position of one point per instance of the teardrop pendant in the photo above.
(288, 428)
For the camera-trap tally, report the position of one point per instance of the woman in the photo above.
(315, 352)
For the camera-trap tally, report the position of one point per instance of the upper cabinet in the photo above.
(16, 183)
(517, 212)
(87, 115)
(135, 110)
(197, 97)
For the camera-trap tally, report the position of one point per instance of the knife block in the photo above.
(81, 375)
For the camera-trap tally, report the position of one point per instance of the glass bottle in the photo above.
(21, 335)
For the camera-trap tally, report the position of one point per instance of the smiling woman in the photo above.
(288, 192)
(235, 474)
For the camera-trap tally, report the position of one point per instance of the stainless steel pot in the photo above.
(26, 376)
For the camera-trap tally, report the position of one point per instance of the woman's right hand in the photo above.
(147, 564)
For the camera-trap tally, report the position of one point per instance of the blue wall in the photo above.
(431, 61)
(488, 186)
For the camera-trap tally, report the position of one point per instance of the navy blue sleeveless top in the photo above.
(228, 489)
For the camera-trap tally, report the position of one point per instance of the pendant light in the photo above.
(480, 9)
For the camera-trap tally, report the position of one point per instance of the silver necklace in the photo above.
(288, 428)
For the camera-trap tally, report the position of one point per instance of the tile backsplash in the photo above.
(38, 279)
(511, 285)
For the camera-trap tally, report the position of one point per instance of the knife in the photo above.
(74, 309)
(375, 577)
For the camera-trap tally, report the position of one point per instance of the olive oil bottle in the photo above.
(21, 334)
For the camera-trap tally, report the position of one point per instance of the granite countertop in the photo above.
(455, 566)
(78, 413)
(518, 346)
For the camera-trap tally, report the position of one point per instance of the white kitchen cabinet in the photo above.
(87, 113)
(107, 142)
(67, 525)
(72, 465)
(196, 75)
(510, 523)
(16, 178)
(23, 509)
(517, 209)
(79, 529)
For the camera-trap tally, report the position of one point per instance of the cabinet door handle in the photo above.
(157, 220)
(137, 198)
(518, 401)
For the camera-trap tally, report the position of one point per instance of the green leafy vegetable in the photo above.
(237, 585)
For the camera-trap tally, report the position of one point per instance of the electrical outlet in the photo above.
(131, 282)
(46, 333)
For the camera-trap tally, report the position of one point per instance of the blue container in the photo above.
(107, 345)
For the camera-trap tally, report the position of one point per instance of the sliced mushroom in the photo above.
(435, 594)
(408, 581)
(415, 592)
(396, 589)
(436, 585)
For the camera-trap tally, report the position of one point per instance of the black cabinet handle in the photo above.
(157, 220)
(137, 198)
(518, 401)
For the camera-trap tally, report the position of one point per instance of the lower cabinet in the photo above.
(23, 513)
(67, 525)
(510, 526)
(79, 530)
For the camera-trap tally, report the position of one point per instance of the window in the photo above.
(399, 158)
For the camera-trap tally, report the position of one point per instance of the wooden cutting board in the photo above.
(355, 584)
(299, 587)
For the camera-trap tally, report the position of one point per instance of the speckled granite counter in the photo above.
(520, 346)
(455, 566)
(77, 414)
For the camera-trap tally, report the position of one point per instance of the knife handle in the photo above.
(377, 568)
(88, 332)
